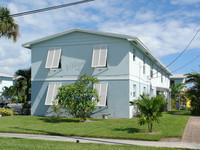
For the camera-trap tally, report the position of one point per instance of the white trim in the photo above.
(28, 44)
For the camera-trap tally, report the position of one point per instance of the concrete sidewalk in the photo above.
(192, 131)
(103, 141)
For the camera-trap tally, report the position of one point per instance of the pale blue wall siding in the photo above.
(76, 59)
(76, 56)
(117, 99)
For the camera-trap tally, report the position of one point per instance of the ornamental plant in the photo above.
(150, 109)
(79, 98)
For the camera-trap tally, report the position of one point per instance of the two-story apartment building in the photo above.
(5, 80)
(125, 67)
(177, 78)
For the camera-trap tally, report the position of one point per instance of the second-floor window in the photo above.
(99, 58)
(144, 65)
(133, 54)
(53, 60)
(161, 78)
(151, 71)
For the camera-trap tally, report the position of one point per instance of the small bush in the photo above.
(7, 112)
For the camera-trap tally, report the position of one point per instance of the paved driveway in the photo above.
(192, 131)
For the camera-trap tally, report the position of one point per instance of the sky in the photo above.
(165, 26)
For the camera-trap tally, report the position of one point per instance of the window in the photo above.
(161, 78)
(53, 59)
(133, 54)
(99, 58)
(52, 92)
(134, 90)
(171, 82)
(151, 71)
(143, 65)
(157, 71)
(144, 90)
(102, 90)
(151, 92)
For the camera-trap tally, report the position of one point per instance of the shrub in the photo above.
(7, 112)
(150, 109)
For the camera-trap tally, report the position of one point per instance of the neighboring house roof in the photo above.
(5, 75)
(178, 76)
(134, 40)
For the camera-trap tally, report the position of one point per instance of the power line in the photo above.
(187, 63)
(181, 67)
(181, 52)
(184, 49)
(49, 8)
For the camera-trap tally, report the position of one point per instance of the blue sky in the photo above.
(164, 26)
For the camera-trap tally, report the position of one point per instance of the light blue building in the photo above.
(177, 78)
(125, 67)
(5, 80)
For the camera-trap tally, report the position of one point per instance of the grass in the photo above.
(169, 126)
(20, 144)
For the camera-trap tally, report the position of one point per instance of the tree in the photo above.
(80, 98)
(194, 92)
(23, 80)
(8, 27)
(23, 86)
(8, 91)
(150, 109)
(176, 91)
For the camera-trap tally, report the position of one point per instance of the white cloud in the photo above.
(185, 2)
(164, 33)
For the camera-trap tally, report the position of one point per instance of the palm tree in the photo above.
(8, 27)
(24, 80)
(194, 92)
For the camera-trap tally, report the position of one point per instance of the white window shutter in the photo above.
(99, 57)
(103, 58)
(102, 90)
(53, 58)
(49, 96)
(95, 58)
(56, 58)
(52, 92)
(49, 59)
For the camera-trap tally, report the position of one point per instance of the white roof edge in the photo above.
(5, 75)
(175, 76)
(152, 54)
(28, 44)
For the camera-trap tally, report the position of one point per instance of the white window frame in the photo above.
(53, 56)
(161, 77)
(151, 71)
(100, 51)
(52, 87)
(144, 70)
(102, 89)
(144, 90)
(134, 90)
(134, 52)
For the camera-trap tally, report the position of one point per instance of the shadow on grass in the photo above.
(33, 131)
(58, 120)
(129, 130)
(179, 112)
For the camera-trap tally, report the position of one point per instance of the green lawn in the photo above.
(169, 126)
(20, 144)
